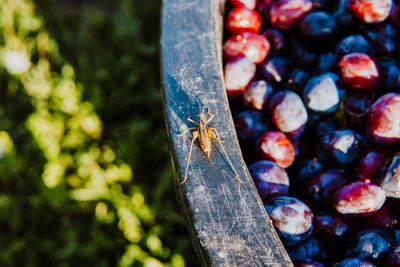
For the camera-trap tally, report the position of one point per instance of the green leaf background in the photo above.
(85, 176)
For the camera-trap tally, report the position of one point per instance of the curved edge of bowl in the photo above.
(227, 220)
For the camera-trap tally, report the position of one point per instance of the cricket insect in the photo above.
(205, 135)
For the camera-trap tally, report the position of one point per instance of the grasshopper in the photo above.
(205, 135)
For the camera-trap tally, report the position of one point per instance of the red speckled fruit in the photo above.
(383, 119)
(243, 19)
(359, 199)
(250, 4)
(238, 74)
(275, 146)
(254, 46)
(286, 14)
(371, 11)
(359, 71)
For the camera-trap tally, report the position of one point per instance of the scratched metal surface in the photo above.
(227, 220)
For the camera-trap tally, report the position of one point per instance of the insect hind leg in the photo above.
(195, 136)
(214, 134)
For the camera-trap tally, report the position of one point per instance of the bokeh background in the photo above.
(85, 174)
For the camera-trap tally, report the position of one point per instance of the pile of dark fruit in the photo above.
(314, 87)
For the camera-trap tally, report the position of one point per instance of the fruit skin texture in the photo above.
(359, 71)
(286, 14)
(359, 199)
(318, 27)
(384, 218)
(276, 39)
(250, 4)
(356, 108)
(275, 146)
(252, 45)
(291, 218)
(242, 19)
(322, 186)
(308, 249)
(332, 229)
(393, 258)
(296, 81)
(307, 263)
(275, 69)
(301, 55)
(342, 13)
(390, 176)
(322, 126)
(304, 171)
(238, 73)
(269, 179)
(371, 244)
(257, 95)
(321, 93)
(326, 63)
(394, 16)
(369, 164)
(354, 43)
(383, 119)
(250, 125)
(390, 70)
(340, 147)
(354, 262)
(371, 11)
(288, 112)
(383, 36)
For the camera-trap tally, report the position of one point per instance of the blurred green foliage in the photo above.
(85, 176)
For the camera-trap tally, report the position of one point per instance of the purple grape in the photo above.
(354, 262)
(332, 229)
(305, 170)
(309, 249)
(354, 43)
(356, 108)
(390, 70)
(393, 258)
(257, 95)
(302, 55)
(327, 62)
(390, 180)
(322, 186)
(250, 125)
(275, 70)
(297, 80)
(270, 179)
(371, 244)
(319, 27)
(288, 112)
(307, 263)
(384, 218)
(321, 93)
(340, 147)
(291, 218)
